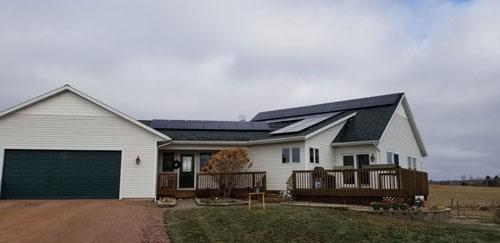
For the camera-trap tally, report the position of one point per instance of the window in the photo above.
(414, 164)
(168, 162)
(296, 155)
(348, 175)
(316, 156)
(285, 155)
(396, 159)
(392, 158)
(311, 155)
(410, 162)
(204, 157)
(348, 160)
(187, 163)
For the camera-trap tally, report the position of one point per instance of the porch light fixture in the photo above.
(372, 157)
(138, 160)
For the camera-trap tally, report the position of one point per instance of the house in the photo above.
(66, 144)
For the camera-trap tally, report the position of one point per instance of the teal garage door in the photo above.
(61, 174)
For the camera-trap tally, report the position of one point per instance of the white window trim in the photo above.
(290, 155)
(355, 155)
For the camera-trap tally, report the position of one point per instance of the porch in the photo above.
(207, 184)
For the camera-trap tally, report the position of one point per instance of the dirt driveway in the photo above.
(80, 221)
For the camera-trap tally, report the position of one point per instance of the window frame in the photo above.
(292, 157)
(285, 156)
(165, 162)
(316, 155)
(311, 155)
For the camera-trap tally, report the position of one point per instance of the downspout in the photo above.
(375, 144)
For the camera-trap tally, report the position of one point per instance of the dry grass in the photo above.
(467, 196)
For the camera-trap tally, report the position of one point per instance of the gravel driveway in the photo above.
(80, 221)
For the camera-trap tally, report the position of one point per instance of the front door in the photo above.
(186, 173)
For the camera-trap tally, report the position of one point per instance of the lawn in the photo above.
(306, 224)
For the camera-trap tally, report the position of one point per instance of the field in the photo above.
(467, 196)
(306, 224)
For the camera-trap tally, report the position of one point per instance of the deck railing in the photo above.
(209, 183)
(370, 182)
(167, 184)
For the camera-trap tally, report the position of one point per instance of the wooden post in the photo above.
(458, 209)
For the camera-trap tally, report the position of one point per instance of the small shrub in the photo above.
(404, 206)
(376, 205)
(395, 206)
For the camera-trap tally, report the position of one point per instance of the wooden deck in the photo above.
(359, 186)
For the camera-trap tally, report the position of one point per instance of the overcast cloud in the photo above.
(219, 59)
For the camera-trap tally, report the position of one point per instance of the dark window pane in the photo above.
(316, 155)
(348, 160)
(311, 155)
(396, 159)
(285, 155)
(296, 155)
(168, 162)
(204, 157)
(363, 159)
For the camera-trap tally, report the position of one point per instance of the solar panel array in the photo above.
(329, 107)
(304, 124)
(209, 125)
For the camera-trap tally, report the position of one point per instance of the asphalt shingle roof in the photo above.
(329, 107)
(371, 119)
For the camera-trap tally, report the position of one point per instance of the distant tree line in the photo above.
(488, 181)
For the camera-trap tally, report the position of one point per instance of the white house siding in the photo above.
(399, 138)
(267, 157)
(323, 141)
(69, 122)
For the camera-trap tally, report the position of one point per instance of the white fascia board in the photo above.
(343, 119)
(85, 96)
(371, 142)
(277, 140)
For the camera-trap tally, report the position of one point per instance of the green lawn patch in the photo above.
(306, 224)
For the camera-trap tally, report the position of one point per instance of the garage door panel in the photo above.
(61, 174)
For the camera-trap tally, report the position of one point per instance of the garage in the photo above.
(61, 174)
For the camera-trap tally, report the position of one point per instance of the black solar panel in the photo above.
(329, 107)
(209, 125)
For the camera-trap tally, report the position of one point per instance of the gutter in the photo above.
(371, 142)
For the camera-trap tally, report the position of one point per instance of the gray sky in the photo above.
(219, 59)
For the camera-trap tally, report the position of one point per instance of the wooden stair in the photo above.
(273, 197)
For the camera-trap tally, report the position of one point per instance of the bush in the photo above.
(376, 205)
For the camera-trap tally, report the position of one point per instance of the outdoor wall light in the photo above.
(372, 157)
(138, 160)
